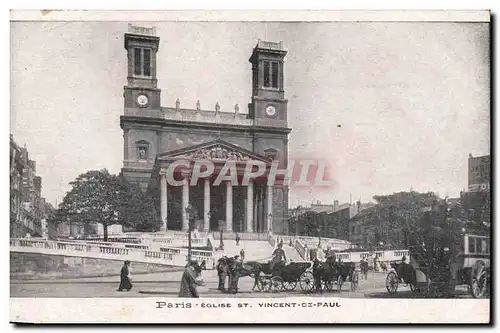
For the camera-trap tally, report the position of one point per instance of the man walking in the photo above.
(125, 277)
(190, 281)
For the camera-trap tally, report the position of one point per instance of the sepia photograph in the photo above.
(299, 162)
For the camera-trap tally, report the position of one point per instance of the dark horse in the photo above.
(329, 271)
(406, 273)
(234, 269)
(225, 270)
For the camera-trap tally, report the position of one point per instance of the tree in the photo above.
(137, 210)
(400, 214)
(100, 197)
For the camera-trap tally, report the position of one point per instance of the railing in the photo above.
(165, 256)
(271, 240)
(301, 249)
(142, 30)
(206, 116)
(270, 45)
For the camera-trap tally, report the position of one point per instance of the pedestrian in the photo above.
(125, 277)
(190, 281)
(237, 239)
(364, 268)
(242, 255)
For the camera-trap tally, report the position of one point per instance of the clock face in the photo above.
(142, 100)
(271, 111)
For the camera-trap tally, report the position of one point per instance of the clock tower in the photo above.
(269, 106)
(141, 95)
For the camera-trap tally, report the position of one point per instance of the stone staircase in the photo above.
(255, 250)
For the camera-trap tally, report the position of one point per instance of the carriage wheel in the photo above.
(264, 284)
(276, 284)
(289, 285)
(340, 282)
(354, 281)
(479, 283)
(391, 282)
(306, 282)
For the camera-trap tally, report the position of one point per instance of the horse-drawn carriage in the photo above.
(280, 276)
(329, 274)
(465, 264)
(268, 276)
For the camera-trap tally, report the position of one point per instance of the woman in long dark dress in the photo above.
(125, 277)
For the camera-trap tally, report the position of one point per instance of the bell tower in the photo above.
(268, 106)
(141, 93)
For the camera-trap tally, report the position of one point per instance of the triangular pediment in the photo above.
(217, 150)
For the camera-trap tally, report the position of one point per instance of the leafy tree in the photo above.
(137, 210)
(100, 197)
(398, 215)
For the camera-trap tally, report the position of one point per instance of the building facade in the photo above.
(476, 201)
(156, 136)
(27, 210)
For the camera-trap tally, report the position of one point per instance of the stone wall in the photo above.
(32, 266)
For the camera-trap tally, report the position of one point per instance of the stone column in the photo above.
(249, 221)
(164, 213)
(269, 208)
(262, 215)
(229, 206)
(206, 205)
(185, 203)
(255, 208)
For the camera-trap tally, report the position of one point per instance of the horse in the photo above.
(329, 270)
(235, 269)
(364, 269)
(224, 265)
(383, 266)
(406, 273)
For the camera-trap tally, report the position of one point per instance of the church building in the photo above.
(154, 137)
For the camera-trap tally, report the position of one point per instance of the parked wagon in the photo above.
(468, 264)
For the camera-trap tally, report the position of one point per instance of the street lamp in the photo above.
(221, 229)
(190, 213)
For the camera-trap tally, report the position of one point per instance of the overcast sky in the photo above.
(411, 99)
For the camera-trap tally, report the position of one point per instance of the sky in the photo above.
(412, 99)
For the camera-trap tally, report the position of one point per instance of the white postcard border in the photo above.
(256, 15)
(234, 310)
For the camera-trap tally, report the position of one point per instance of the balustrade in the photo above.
(300, 249)
(271, 239)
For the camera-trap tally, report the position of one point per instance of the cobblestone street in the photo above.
(167, 284)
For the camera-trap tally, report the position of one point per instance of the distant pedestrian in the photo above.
(237, 239)
(125, 277)
(364, 268)
(242, 255)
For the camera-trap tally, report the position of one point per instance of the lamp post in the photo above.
(221, 229)
(190, 213)
(319, 236)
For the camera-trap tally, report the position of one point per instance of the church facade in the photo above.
(155, 137)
